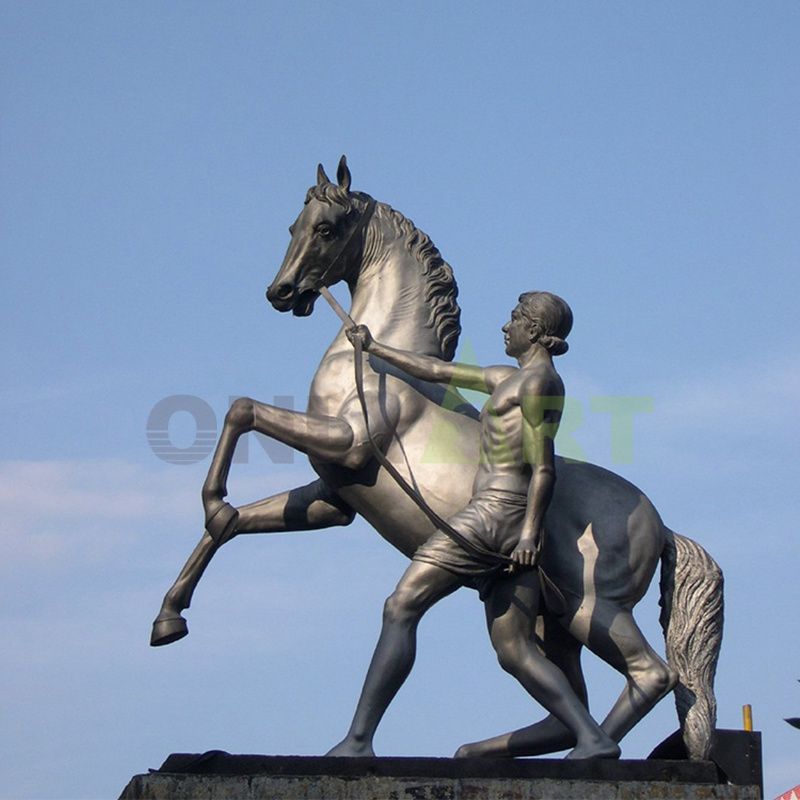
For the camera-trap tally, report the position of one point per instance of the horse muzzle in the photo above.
(287, 297)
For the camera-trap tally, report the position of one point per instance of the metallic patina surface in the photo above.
(604, 538)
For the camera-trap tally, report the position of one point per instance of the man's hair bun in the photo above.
(554, 345)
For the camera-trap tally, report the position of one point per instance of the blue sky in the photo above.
(640, 160)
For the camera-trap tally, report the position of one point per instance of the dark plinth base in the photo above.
(216, 775)
(737, 754)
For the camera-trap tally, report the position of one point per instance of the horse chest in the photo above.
(333, 385)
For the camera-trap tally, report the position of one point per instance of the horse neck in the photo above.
(388, 293)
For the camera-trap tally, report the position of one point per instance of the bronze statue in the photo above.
(604, 538)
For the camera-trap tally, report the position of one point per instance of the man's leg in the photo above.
(549, 735)
(421, 586)
(511, 613)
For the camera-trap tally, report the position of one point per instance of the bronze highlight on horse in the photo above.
(605, 539)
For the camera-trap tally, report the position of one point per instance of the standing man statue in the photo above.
(510, 495)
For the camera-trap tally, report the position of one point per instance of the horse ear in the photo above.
(321, 176)
(343, 174)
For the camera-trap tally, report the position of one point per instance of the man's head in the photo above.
(546, 318)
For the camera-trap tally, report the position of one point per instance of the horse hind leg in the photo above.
(309, 507)
(612, 634)
(616, 639)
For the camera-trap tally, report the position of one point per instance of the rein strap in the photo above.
(480, 552)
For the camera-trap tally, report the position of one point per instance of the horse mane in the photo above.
(441, 289)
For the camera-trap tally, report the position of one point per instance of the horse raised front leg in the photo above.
(329, 439)
(309, 507)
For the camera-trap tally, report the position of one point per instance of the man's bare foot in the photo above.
(350, 748)
(597, 747)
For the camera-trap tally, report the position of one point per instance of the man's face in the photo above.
(517, 333)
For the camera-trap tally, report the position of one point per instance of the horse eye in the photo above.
(325, 231)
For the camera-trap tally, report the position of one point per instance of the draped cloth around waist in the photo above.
(491, 520)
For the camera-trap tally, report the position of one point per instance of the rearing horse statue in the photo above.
(606, 538)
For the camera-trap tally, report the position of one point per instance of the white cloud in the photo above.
(103, 489)
(63, 510)
(730, 417)
(749, 393)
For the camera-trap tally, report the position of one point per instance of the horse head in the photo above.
(327, 242)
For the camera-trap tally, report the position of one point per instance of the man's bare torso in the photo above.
(503, 463)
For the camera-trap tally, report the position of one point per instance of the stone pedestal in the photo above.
(219, 776)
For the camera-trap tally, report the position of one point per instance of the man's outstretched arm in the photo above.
(428, 368)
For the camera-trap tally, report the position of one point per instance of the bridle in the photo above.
(360, 226)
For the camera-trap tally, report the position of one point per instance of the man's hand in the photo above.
(526, 554)
(362, 333)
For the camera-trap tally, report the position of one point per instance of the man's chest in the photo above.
(504, 399)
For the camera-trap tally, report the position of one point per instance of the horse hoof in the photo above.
(166, 631)
(221, 522)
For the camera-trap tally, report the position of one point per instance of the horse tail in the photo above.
(691, 617)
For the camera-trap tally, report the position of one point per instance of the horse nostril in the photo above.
(280, 292)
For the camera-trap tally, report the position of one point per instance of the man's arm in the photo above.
(541, 415)
(428, 368)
